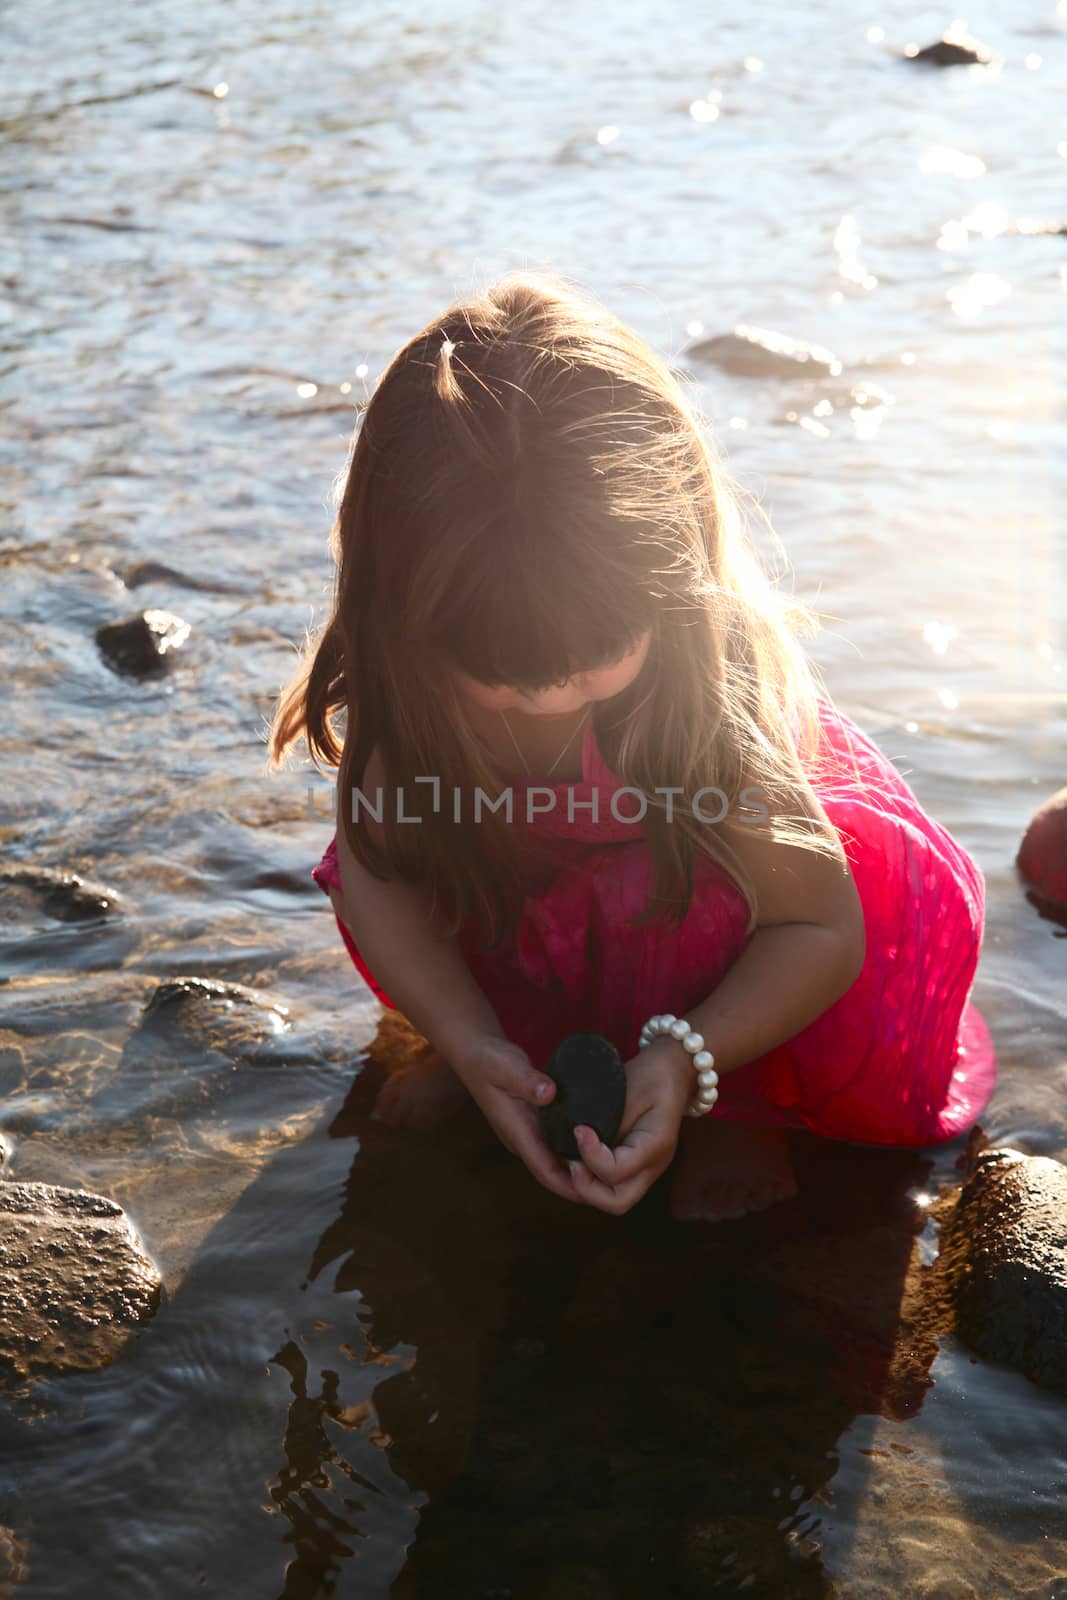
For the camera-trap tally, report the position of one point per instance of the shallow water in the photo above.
(198, 286)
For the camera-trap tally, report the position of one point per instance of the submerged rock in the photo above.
(1042, 857)
(208, 1013)
(143, 645)
(75, 1280)
(952, 50)
(64, 895)
(590, 1084)
(1004, 1260)
(141, 572)
(759, 353)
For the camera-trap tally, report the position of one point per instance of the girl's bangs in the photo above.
(534, 642)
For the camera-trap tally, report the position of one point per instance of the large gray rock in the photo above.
(75, 1280)
(1004, 1260)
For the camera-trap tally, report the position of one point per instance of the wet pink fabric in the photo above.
(902, 1058)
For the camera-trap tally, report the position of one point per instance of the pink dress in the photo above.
(902, 1058)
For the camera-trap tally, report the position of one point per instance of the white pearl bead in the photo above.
(703, 1060)
(678, 1029)
(709, 1079)
(693, 1042)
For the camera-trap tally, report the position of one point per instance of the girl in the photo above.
(545, 592)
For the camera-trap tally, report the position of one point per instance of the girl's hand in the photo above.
(659, 1081)
(501, 1078)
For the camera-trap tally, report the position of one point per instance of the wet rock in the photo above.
(590, 1088)
(231, 1018)
(951, 50)
(143, 645)
(75, 1280)
(67, 896)
(1042, 857)
(1004, 1259)
(759, 353)
(140, 572)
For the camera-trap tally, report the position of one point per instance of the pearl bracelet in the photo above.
(707, 1091)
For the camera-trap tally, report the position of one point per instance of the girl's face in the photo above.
(561, 700)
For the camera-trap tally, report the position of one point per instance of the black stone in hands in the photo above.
(590, 1084)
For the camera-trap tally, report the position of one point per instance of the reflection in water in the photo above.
(386, 1365)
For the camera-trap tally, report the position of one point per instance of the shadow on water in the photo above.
(417, 1373)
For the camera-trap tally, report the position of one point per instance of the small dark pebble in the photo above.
(590, 1084)
(955, 51)
(142, 646)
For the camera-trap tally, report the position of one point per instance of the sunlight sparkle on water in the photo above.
(307, 390)
(753, 64)
(948, 699)
(819, 429)
(1033, 61)
(703, 111)
(867, 420)
(694, 329)
(221, 90)
(953, 236)
(988, 219)
(945, 159)
(940, 635)
(847, 245)
(982, 289)
(607, 135)
(875, 35)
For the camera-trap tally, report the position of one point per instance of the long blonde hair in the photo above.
(529, 489)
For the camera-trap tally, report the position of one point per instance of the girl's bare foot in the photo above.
(420, 1095)
(725, 1169)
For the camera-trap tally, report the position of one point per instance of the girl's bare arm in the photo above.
(425, 974)
(808, 948)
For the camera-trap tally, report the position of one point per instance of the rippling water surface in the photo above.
(222, 221)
